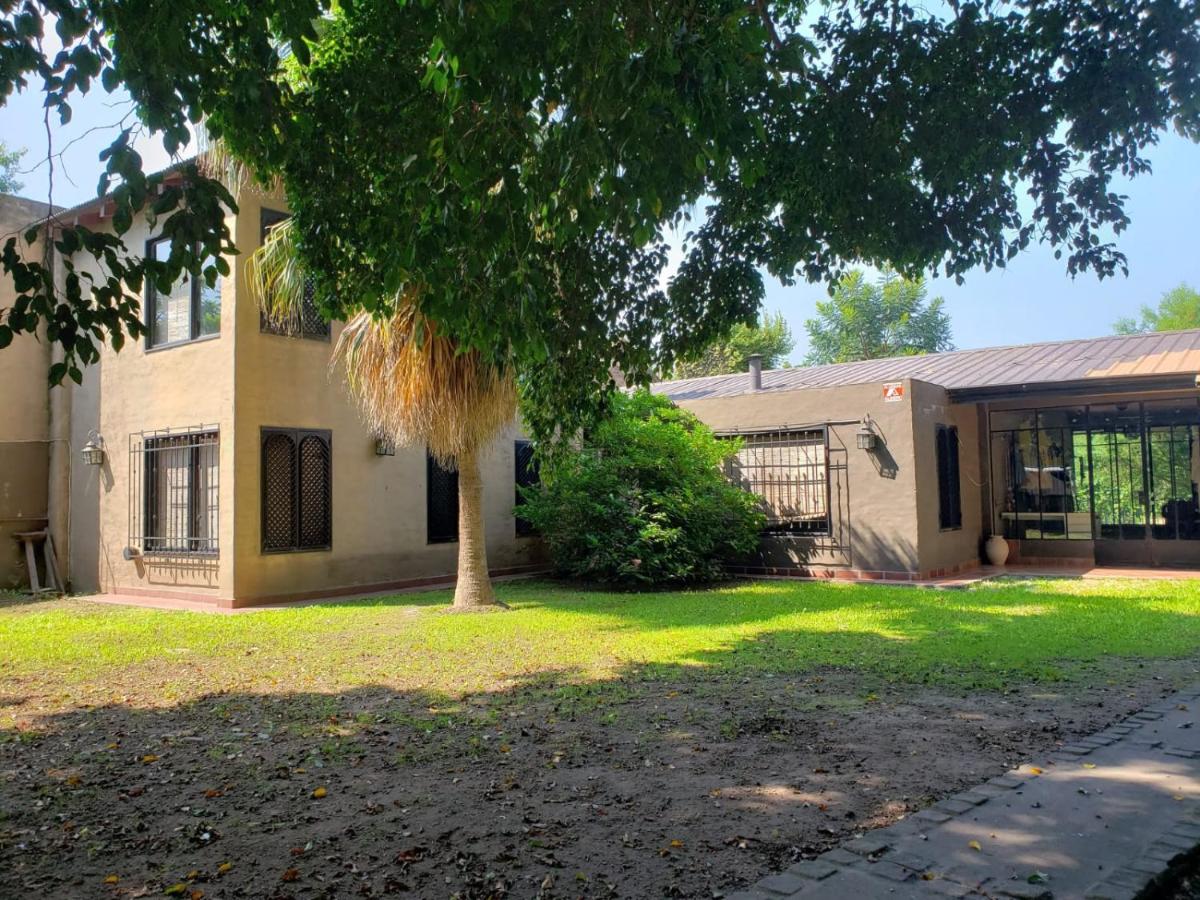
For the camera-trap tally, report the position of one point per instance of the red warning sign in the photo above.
(893, 392)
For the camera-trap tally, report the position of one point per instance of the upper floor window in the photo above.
(949, 492)
(310, 323)
(789, 471)
(189, 310)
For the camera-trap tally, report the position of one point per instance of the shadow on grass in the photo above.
(15, 599)
(653, 783)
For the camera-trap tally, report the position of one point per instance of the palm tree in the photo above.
(413, 384)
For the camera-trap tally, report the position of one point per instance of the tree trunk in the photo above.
(474, 587)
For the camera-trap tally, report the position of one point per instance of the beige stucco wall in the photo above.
(379, 510)
(873, 508)
(945, 549)
(240, 381)
(139, 390)
(24, 415)
(84, 484)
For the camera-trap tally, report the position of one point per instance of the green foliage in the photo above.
(644, 500)
(1179, 309)
(513, 166)
(770, 338)
(873, 321)
(10, 182)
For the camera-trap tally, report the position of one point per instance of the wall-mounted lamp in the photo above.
(93, 450)
(866, 437)
(385, 446)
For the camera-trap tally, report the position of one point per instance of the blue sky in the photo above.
(1032, 300)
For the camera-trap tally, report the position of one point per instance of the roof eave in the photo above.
(1128, 384)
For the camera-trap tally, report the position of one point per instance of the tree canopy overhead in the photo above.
(513, 166)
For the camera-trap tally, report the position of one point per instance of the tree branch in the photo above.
(768, 23)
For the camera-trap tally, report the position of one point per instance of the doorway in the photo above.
(1125, 476)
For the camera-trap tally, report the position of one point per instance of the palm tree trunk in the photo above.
(474, 587)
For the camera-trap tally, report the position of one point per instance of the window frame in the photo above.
(202, 446)
(277, 217)
(195, 311)
(524, 528)
(810, 528)
(949, 477)
(297, 435)
(430, 537)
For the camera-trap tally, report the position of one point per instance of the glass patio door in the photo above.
(1173, 471)
(1118, 472)
(1145, 466)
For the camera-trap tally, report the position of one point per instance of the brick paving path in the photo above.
(1098, 819)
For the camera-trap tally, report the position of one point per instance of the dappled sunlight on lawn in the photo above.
(1032, 629)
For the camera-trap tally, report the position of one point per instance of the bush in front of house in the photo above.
(643, 501)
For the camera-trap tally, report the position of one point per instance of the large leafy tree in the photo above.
(508, 167)
(10, 181)
(864, 320)
(770, 338)
(1178, 309)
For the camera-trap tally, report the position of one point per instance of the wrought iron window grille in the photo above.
(526, 475)
(441, 502)
(789, 470)
(174, 491)
(297, 490)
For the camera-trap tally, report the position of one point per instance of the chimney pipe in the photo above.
(756, 372)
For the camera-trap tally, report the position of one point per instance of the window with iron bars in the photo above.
(174, 491)
(297, 489)
(441, 502)
(949, 490)
(311, 323)
(789, 471)
(526, 476)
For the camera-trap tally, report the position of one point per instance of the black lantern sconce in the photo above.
(867, 439)
(93, 450)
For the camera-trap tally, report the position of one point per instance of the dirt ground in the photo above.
(639, 789)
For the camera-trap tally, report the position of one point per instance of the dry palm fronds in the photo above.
(216, 160)
(415, 385)
(276, 278)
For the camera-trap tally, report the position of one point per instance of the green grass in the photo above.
(71, 651)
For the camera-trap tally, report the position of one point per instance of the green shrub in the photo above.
(644, 500)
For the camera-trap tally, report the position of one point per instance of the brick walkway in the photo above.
(1098, 819)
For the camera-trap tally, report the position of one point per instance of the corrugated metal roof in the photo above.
(1118, 356)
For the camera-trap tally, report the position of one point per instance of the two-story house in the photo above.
(236, 469)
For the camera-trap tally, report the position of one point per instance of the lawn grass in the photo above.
(73, 651)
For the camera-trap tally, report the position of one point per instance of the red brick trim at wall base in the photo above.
(964, 568)
(822, 572)
(431, 582)
(831, 573)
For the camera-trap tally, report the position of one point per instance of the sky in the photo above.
(1032, 300)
